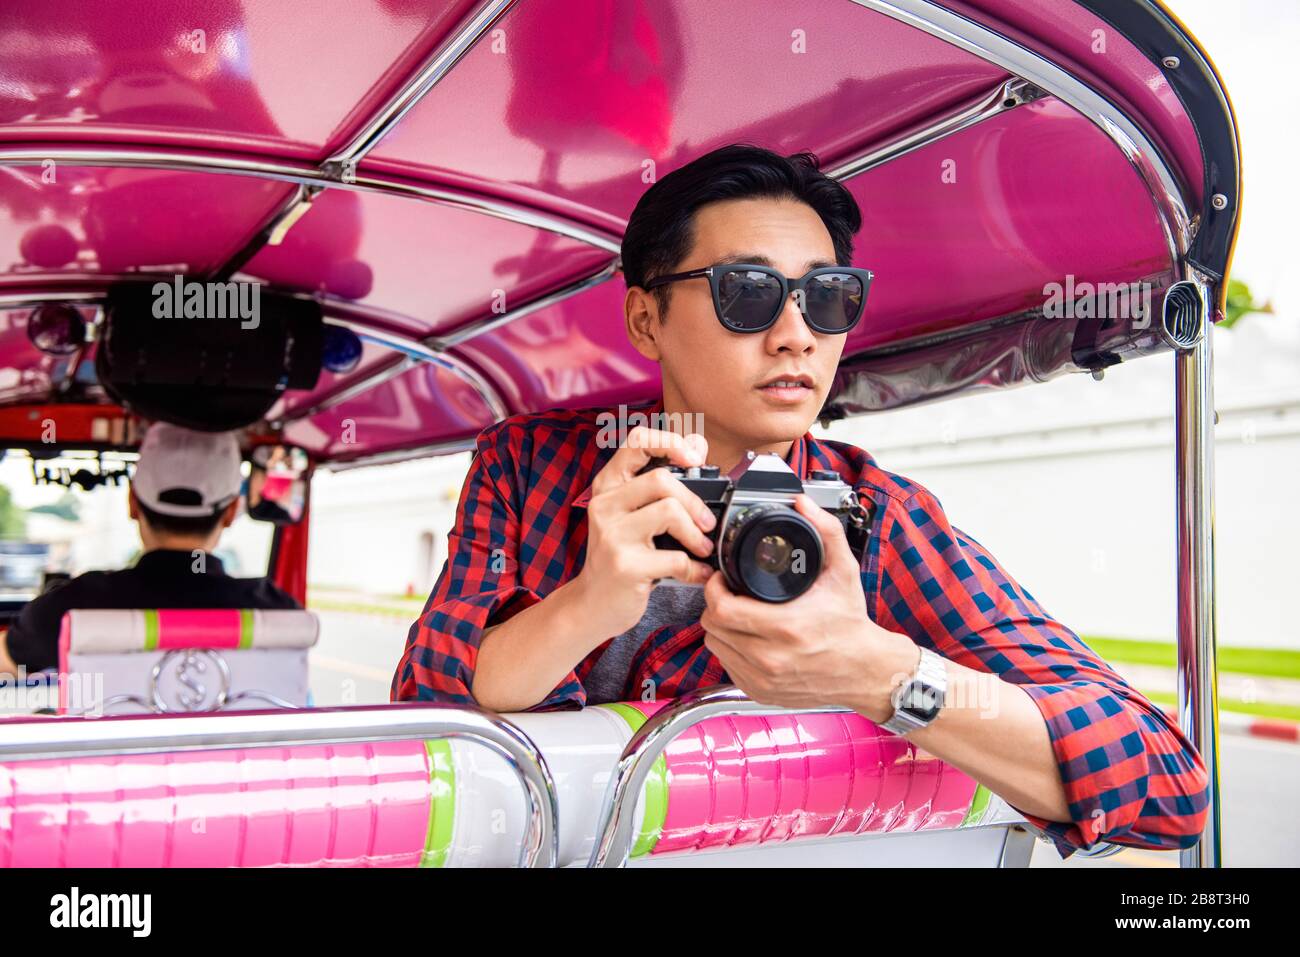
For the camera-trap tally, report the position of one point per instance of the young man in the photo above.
(185, 493)
(549, 596)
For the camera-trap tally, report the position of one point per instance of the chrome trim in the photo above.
(193, 161)
(1005, 96)
(1198, 683)
(190, 654)
(30, 300)
(480, 326)
(988, 45)
(413, 353)
(439, 65)
(614, 826)
(271, 232)
(349, 389)
(46, 738)
(513, 213)
(1184, 315)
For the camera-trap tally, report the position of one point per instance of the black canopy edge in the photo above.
(1154, 31)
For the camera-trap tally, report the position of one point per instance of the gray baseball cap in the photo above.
(185, 473)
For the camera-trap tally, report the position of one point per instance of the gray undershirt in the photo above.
(670, 605)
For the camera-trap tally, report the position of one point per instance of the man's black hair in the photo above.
(192, 526)
(660, 230)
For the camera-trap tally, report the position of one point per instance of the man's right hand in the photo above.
(625, 513)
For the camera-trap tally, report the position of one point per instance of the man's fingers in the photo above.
(644, 444)
(725, 608)
(678, 566)
(669, 516)
(834, 542)
(653, 486)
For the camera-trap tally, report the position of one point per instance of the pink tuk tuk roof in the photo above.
(470, 167)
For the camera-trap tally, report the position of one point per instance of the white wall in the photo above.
(1070, 484)
(367, 524)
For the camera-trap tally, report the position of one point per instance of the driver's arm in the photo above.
(8, 667)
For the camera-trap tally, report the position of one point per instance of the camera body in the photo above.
(763, 546)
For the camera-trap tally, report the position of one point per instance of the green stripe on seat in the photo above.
(656, 788)
(979, 803)
(245, 628)
(151, 629)
(442, 804)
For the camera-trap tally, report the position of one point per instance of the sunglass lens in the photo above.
(834, 301)
(749, 300)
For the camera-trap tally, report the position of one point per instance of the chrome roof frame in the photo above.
(964, 33)
(1033, 78)
(1007, 95)
(438, 65)
(286, 171)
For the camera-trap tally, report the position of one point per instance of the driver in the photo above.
(554, 594)
(184, 494)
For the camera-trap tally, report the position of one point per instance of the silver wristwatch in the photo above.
(919, 699)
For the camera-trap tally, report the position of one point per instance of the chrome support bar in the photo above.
(197, 161)
(413, 353)
(397, 366)
(1198, 684)
(439, 65)
(488, 323)
(966, 34)
(615, 824)
(35, 739)
(1005, 96)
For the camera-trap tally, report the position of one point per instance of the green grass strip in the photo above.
(1260, 662)
(1261, 709)
(442, 804)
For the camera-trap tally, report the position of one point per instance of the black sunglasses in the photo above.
(749, 298)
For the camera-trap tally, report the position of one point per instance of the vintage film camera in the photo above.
(764, 547)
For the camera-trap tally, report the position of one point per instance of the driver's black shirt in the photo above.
(163, 578)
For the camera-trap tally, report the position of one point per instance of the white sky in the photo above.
(1253, 44)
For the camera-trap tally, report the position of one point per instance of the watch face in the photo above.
(921, 700)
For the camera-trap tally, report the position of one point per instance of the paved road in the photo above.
(353, 664)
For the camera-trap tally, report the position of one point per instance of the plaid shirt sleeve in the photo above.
(480, 585)
(1130, 775)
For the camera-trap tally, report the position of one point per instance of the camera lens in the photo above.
(770, 552)
(773, 554)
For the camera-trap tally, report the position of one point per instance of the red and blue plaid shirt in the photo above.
(1130, 775)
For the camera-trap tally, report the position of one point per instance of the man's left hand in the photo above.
(820, 649)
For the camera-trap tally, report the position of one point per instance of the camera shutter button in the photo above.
(708, 471)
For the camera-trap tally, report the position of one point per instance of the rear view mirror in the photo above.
(277, 484)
